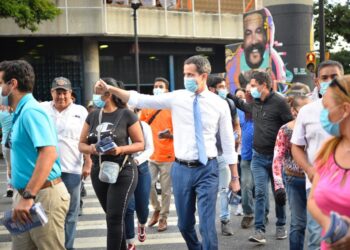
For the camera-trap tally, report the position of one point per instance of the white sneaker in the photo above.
(239, 210)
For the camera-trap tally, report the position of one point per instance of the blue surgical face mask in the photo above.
(158, 91)
(98, 101)
(4, 101)
(324, 86)
(222, 93)
(255, 93)
(190, 84)
(331, 128)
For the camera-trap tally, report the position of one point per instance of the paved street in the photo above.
(92, 228)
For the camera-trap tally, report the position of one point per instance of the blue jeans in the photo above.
(199, 183)
(224, 181)
(247, 186)
(314, 231)
(262, 173)
(139, 201)
(72, 182)
(296, 195)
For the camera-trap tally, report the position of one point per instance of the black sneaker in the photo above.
(258, 237)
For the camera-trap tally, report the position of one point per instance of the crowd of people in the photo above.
(201, 142)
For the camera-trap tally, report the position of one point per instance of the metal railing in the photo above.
(189, 15)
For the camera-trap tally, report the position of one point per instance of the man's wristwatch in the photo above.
(27, 195)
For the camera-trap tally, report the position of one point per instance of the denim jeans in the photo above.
(247, 186)
(191, 184)
(262, 173)
(224, 181)
(72, 182)
(314, 231)
(139, 201)
(296, 195)
(114, 199)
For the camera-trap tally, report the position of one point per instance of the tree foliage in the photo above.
(343, 57)
(337, 22)
(28, 14)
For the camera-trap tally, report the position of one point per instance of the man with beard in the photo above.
(257, 50)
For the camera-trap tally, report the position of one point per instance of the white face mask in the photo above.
(158, 91)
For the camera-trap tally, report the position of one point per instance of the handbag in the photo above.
(109, 170)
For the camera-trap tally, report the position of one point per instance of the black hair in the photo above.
(162, 79)
(262, 77)
(20, 70)
(240, 89)
(212, 81)
(118, 84)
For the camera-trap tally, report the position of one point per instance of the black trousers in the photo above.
(114, 199)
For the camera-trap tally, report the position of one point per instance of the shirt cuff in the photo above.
(133, 98)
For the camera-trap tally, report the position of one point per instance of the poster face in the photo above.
(255, 53)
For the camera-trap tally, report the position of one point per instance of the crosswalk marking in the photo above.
(92, 232)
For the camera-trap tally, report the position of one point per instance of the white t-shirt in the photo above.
(308, 131)
(144, 155)
(69, 124)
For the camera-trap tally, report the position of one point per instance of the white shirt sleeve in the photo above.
(149, 147)
(226, 136)
(162, 101)
(298, 136)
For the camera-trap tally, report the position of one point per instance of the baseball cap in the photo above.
(61, 83)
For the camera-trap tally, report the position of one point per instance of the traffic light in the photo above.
(311, 61)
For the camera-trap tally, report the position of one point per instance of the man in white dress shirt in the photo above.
(198, 115)
(69, 119)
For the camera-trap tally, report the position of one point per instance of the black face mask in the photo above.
(247, 51)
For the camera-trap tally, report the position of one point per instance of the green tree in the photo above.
(28, 14)
(343, 56)
(337, 22)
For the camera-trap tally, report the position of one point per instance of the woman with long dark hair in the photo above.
(113, 119)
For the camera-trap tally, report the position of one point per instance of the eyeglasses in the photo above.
(336, 83)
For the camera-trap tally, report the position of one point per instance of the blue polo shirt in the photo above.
(32, 128)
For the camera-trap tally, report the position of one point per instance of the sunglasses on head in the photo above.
(336, 83)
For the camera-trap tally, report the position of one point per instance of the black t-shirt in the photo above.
(108, 127)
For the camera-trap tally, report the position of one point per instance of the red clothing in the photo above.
(163, 148)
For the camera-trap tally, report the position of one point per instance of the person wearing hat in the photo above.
(69, 119)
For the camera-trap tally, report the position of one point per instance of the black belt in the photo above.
(193, 163)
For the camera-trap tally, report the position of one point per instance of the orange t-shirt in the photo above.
(163, 148)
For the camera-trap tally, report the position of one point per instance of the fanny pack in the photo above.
(109, 170)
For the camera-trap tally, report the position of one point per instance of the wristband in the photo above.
(234, 178)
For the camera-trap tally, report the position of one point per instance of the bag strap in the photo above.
(99, 132)
(153, 117)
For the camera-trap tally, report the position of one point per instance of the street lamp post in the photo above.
(135, 4)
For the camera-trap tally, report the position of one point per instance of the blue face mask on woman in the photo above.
(98, 101)
(190, 84)
(331, 128)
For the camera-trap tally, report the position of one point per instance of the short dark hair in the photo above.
(240, 89)
(330, 63)
(262, 77)
(202, 64)
(162, 79)
(20, 70)
(119, 84)
(212, 81)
